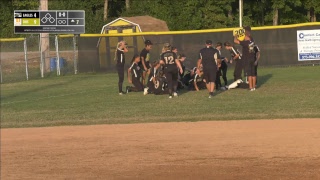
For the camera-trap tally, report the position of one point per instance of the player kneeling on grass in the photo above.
(135, 72)
(198, 82)
(158, 84)
(187, 79)
(161, 86)
(154, 73)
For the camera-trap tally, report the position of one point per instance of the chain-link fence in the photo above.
(278, 46)
(14, 61)
(67, 52)
(37, 56)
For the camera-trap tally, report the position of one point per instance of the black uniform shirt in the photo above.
(197, 78)
(256, 50)
(235, 52)
(153, 73)
(247, 49)
(146, 56)
(120, 57)
(169, 58)
(135, 70)
(208, 56)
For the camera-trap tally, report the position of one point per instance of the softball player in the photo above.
(154, 72)
(256, 60)
(120, 58)
(248, 56)
(170, 62)
(224, 67)
(237, 57)
(198, 81)
(209, 58)
(145, 60)
(135, 72)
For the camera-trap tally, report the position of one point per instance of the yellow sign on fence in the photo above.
(239, 33)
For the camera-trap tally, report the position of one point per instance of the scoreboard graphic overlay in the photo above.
(52, 21)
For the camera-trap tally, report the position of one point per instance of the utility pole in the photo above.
(44, 40)
(240, 12)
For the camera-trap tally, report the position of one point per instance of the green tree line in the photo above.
(179, 14)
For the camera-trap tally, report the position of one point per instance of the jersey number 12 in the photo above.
(169, 59)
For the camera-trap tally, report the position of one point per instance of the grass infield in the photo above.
(84, 99)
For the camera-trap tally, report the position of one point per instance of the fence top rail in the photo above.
(174, 32)
(11, 39)
(195, 31)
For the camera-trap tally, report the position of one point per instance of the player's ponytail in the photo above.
(166, 47)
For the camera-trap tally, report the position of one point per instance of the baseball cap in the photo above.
(148, 42)
(209, 42)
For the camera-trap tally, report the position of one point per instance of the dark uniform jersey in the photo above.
(120, 57)
(234, 52)
(208, 56)
(197, 78)
(169, 58)
(153, 73)
(247, 50)
(146, 56)
(160, 87)
(256, 50)
(135, 70)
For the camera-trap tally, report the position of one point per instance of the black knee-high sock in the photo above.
(120, 87)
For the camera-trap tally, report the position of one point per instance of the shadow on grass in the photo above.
(263, 79)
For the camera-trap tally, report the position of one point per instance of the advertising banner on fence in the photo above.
(308, 45)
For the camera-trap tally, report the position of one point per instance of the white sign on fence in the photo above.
(308, 45)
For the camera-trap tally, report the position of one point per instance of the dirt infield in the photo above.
(264, 149)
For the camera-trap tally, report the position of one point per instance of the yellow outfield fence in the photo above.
(11, 39)
(176, 32)
(195, 31)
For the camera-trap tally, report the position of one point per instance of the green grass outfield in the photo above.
(292, 92)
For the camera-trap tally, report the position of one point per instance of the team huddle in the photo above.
(168, 74)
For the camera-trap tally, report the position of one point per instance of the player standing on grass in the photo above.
(209, 58)
(236, 56)
(256, 60)
(256, 51)
(248, 57)
(224, 66)
(145, 60)
(181, 58)
(120, 58)
(170, 62)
